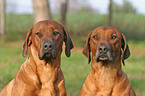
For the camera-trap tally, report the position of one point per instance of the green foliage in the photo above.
(126, 7)
(17, 25)
(78, 25)
(86, 9)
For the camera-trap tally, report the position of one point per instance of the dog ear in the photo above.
(68, 43)
(27, 43)
(87, 50)
(125, 48)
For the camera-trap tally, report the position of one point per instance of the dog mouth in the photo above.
(101, 58)
(48, 55)
(104, 57)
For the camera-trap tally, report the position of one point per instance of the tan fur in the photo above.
(37, 77)
(107, 78)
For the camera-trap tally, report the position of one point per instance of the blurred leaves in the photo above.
(126, 7)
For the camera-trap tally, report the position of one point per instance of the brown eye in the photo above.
(38, 33)
(113, 37)
(55, 33)
(95, 37)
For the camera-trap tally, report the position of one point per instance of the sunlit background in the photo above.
(82, 17)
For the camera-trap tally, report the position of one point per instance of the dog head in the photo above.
(47, 37)
(106, 43)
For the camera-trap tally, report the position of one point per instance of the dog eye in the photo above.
(95, 37)
(39, 34)
(55, 33)
(113, 37)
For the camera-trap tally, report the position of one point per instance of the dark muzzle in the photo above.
(103, 54)
(48, 51)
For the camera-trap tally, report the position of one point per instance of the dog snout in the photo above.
(47, 45)
(103, 49)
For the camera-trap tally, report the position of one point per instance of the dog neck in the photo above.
(106, 74)
(106, 66)
(45, 71)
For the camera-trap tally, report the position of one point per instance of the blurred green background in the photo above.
(78, 24)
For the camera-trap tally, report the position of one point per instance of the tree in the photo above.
(126, 7)
(41, 10)
(63, 11)
(2, 20)
(110, 13)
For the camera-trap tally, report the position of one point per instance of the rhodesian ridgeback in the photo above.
(108, 48)
(41, 75)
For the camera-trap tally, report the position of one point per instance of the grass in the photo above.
(75, 68)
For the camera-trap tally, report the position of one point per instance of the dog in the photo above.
(109, 48)
(40, 74)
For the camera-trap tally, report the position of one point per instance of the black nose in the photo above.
(47, 45)
(103, 48)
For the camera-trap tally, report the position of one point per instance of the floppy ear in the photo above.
(125, 48)
(87, 50)
(68, 43)
(27, 43)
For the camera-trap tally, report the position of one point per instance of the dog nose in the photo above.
(103, 48)
(47, 45)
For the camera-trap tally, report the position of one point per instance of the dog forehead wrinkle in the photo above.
(51, 27)
(46, 24)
